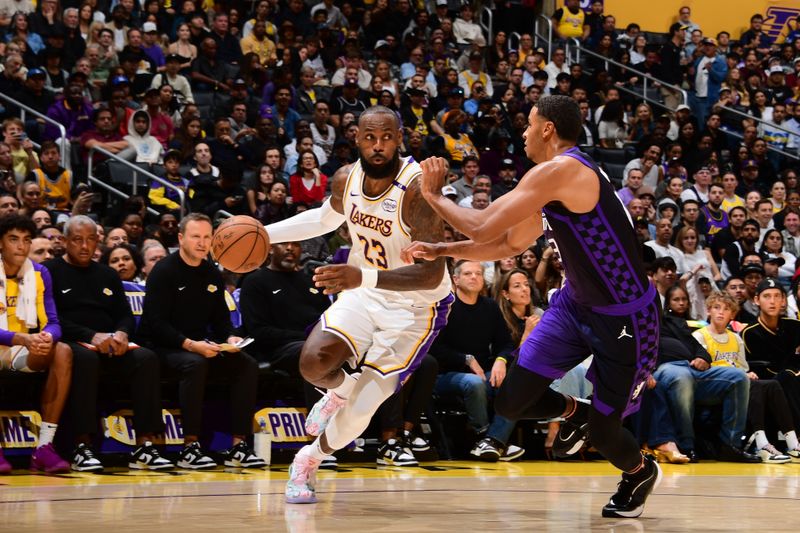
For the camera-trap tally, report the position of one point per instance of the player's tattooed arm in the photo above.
(513, 242)
(426, 226)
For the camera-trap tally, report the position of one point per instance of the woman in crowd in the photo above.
(183, 46)
(612, 129)
(642, 124)
(20, 27)
(750, 201)
(308, 185)
(773, 245)
(275, 208)
(257, 194)
(660, 435)
(125, 259)
(777, 195)
(498, 270)
(186, 138)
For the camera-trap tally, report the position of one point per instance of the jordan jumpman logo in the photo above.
(624, 333)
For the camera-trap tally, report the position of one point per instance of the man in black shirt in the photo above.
(774, 340)
(96, 323)
(671, 69)
(266, 296)
(475, 342)
(184, 318)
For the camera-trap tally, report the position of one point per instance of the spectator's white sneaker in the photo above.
(512, 453)
(192, 457)
(147, 457)
(794, 454)
(393, 453)
(770, 454)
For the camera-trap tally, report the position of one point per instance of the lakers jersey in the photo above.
(379, 232)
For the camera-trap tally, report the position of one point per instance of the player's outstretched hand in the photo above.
(434, 171)
(337, 278)
(429, 251)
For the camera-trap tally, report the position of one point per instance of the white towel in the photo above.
(26, 299)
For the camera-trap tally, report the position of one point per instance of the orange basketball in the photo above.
(240, 244)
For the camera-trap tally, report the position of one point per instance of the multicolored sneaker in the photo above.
(242, 456)
(322, 412)
(46, 459)
(302, 478)
(147, 457)
(84, 460)
(5, 466)
(793, 454)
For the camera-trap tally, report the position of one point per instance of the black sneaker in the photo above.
(415, 442)
(393, 453)
(193, 457)
(574, 431)
(83, 460)
(242, 456)
(633, 490)
(733, 454)
(487, 449)
(147, 457)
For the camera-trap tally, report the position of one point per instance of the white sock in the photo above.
(343, 391)
(46, 433)
(791, 441)
(761, 439)
(313, 450)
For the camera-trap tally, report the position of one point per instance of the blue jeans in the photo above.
(475, 393)
(681, 387)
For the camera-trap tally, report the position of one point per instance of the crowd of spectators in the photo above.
(249, 107)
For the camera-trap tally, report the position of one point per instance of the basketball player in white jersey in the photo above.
(390, 311)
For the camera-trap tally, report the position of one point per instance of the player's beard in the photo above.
(388, 169)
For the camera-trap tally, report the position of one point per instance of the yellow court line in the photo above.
(369, 471)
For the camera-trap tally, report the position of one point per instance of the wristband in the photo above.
(369, 278)
(503, 359)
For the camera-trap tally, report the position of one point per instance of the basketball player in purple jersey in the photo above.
(607, 307)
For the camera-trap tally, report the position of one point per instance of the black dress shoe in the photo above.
(735, 455)
(692, 455)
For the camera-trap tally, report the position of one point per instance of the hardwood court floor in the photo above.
(442, 496)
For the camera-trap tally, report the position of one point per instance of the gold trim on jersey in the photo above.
(389, 189)
(341, 334)
(346, 194)
(415, 351)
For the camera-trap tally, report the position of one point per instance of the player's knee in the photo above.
(318, 361)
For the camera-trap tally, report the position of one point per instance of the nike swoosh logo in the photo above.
(354, 194)
(65, 291)
(276, 291)
(181, 288)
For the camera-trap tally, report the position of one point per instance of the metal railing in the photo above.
(654, 82)
(136, 171)
(64, 146)
(770, 148)
(538, 35)
(486, 14)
